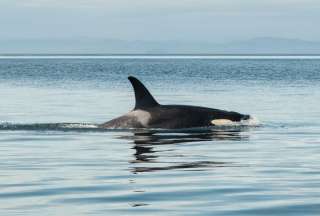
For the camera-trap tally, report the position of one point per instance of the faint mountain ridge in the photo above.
(275, 40)
(272, 45)
(260, 45)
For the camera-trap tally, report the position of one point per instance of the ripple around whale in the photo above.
(89, 127)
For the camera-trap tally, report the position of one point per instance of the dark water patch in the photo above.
(31, 139)
(58, 191)
(193, 166)
(295, 208)
(164, 137)
(14, 185)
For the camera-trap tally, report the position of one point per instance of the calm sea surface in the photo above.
(53, 161)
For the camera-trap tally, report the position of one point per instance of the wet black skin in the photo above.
(168, 116)
(183, 116)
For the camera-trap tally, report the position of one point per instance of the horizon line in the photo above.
(158, 56)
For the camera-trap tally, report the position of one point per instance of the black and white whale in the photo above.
(148, 113)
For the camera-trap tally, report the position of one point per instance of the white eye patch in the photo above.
(219, 122)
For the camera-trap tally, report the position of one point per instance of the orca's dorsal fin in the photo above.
(143, 97)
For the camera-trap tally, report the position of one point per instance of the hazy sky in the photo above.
(195, 20)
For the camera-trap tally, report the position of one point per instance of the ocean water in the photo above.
(54, 161)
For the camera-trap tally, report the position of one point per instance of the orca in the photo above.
(148, 113)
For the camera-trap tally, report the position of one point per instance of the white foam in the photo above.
(252, 121)
(80, 125)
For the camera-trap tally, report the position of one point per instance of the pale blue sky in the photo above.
(189, 20)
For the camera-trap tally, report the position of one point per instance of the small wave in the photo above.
(47, 126)
(95, 127)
